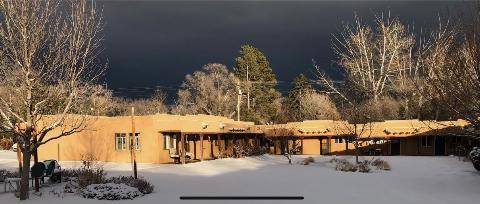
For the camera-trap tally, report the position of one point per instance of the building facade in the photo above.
(164, 138)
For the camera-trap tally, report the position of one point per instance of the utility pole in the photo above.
(248, 91)
(133, 145)
(239, 99)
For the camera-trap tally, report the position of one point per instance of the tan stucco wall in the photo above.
(98, 138)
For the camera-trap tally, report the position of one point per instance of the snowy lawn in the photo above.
(434, 180)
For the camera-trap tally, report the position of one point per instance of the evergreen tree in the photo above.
(300, 87)
(261, 82)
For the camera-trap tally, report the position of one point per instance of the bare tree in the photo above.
(316, 106)
(372, 56)
(360, 117)
(211, 90)
(452, 65)
(48, 63)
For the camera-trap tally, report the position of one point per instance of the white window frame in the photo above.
(168, 142)
(122, 137)
(136, 140)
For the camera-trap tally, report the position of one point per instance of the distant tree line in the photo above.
(389, 72)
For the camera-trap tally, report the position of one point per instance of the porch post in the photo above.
(182, 152)
(212, 155)
(201, 147)
(321, 146)
(301, 143)
(195, 147)
(329, 144)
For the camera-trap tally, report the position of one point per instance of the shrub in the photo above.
(90, 172)
(364, 167)
(141, 184)
(334, 160)
(9, 174)
(308, 160)
(69, 173)
(110, 191)
(6, 143)
(475, 157)
(70, 187)
(344, 165)
(91, 176)
(381, 164)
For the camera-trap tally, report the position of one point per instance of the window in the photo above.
(169, 141)
(427, 141)
(338, 140)
(120, 141)
(137, 140)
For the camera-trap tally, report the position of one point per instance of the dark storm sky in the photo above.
(155, 43)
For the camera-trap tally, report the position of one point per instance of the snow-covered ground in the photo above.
(434, 180)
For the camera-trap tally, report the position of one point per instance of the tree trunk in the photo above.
(357, 149)
(37, 180)
(24, 186)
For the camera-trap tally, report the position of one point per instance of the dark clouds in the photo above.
(155, 43)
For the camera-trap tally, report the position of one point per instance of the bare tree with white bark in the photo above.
(49, 62)
(211, 90)
(452, 68)
(372, 57)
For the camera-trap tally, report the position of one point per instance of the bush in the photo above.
(475, 157)
(70, 187)
(308, 160)
(110, 191)
(9, 174)
(364, 167)
(334, 160)
(90, 172)
(6, 143)
(69, 173)
(90, 176)
(381, 164)
(141, 184)
(344, 165)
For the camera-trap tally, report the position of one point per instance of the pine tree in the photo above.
(260, 84)
(300, 87)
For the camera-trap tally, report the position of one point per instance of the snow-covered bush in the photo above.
(334, 160)
(345, 165)
(9, 174)
(91, 176)
(70, 187)
(68, 173)
(475, 157)
(141, 184)
(381, 164)
(110, 191)
(364, 167)
(307, 161)
(90, 172)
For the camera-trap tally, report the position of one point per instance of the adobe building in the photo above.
(164, 138)
(158, 138)
(393, 137)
